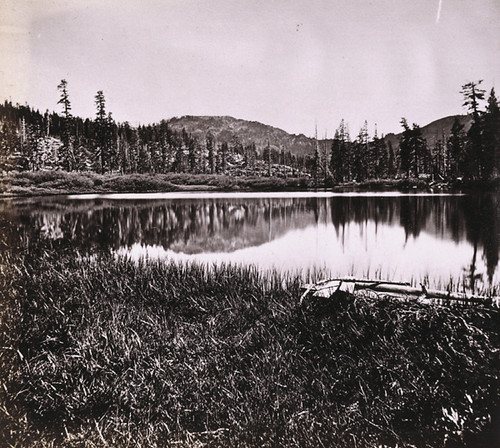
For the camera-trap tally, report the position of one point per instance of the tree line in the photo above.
(30, 140)
(470, 154)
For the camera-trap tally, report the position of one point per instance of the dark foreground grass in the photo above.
(96, 351)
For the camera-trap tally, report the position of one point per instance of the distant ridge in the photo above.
(226, 129)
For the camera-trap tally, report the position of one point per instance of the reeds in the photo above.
(100, 351)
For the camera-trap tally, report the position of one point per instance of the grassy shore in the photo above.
(27, 183)
(59, 182)
(99, 351)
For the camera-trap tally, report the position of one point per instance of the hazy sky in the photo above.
(287, 63)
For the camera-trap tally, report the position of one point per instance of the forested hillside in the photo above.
(457, 146)
(32, 141)
(244, 132)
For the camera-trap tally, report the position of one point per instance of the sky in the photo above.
(292, 64)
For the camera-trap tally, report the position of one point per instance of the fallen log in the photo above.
(326, 288)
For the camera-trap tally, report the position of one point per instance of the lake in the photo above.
(392, 236)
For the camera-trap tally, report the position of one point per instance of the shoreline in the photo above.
(50, 183)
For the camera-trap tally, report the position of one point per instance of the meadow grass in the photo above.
(45, 182)
(103, 351)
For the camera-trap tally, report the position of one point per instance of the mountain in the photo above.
(432, 132)
(225, 129)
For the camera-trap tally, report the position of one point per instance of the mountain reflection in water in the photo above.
(397, 237)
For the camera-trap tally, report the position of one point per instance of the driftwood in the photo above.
(326, 288)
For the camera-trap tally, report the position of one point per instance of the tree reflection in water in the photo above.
(224, 226)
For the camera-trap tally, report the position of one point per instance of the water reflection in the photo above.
(395, 237)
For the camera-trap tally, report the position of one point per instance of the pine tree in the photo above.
(134, 151)
(474, 155)
(362, 157)
(267, 153)
(66, 155)
(111, 142)
(210, 144)
(455, 147)
(347, 151)
(251, 155)
(123, 149)
(391, 162)
(316, 159)
(178, 164)
(336, 160)
(144, 165)
(155, 155)
(46, 122)
(192, 146)
(379, 152)
(438, 159)
(167, 145)
(421, 158)
(32, 150)
(413, 149)
(223, 151)
(325, 168)
(341, 155)
(9, 142)
(405, 148)
(491, 131)
(472, 95)
(64, 100)
(105, 138)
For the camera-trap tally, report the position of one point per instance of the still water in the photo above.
(431, 238)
